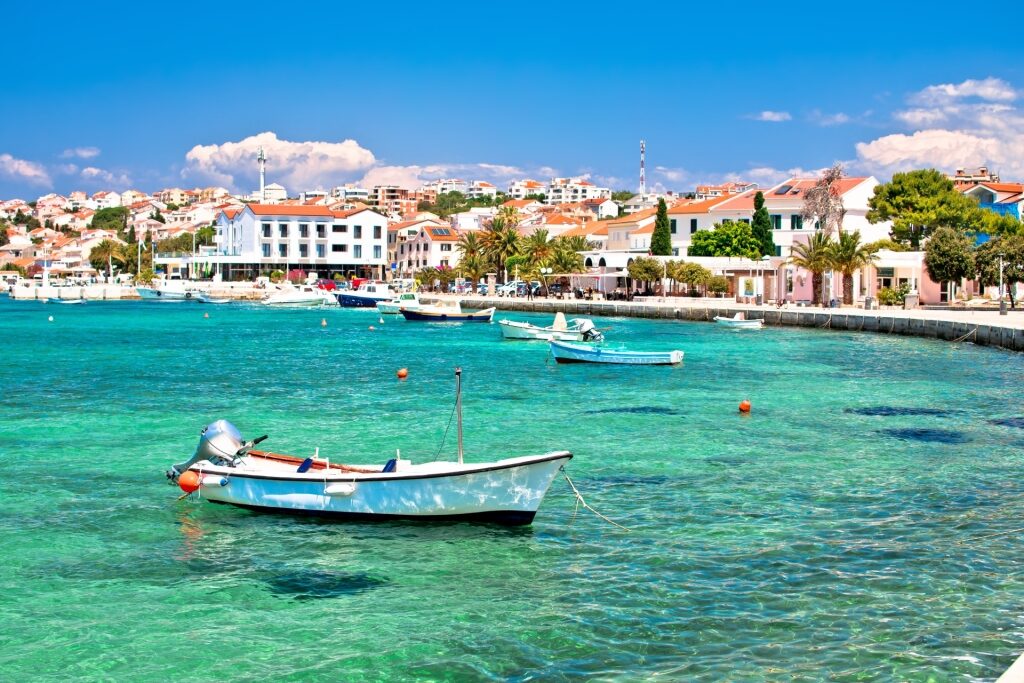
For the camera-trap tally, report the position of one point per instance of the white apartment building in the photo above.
(263, 237)
(106, 200)
(351, 192)
(446, 185)
(433, 247)
(480, 189)
(570, 190)
(520, 189)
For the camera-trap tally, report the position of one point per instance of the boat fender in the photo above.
(304, 467)
(188, 295)
(214, 480)
(345, 488)
(390, 466)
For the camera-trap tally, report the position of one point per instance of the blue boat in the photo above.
(565, 352)
(368, 295)
(447, 314)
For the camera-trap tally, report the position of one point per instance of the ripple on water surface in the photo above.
(859, 524)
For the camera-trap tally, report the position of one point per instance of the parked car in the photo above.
(481, 288)
(510, 288)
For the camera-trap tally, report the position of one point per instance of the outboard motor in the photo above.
(590, 331)
(220, 442)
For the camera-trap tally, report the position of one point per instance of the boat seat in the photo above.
(389, 466)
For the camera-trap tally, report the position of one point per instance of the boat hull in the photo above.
(739, 324)
(422, 315)
(66, 302)
(507, 491)
(579, 353)
(519, 331)
(151, 294)
(354, 300)
(310, 302)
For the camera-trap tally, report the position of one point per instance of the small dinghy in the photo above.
(409, 300)
(55, 300)
(204, 298)
(739, 322)
(446, 312)
(227, 469)
(565, 352)
(575, 330)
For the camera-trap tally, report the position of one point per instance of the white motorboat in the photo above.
(303, 295)
(565, 352)
(575, 330)
(409, 300)
(205, 298)
(167, 290)
(227, 469)
(58, 300)
(739, 322)
(368, 295)
(446, 311)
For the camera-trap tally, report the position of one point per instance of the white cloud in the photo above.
(991, 89)
(24, 171)
(974, 123)
(821, 119)
(80, 153)
(296, 165)
(673, 175)
(772, 116)
(110, 179)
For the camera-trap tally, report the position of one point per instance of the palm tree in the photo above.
(848, 255)
(500, 241)
(574, 243)
(469, 245)
(108, 251)
(567, 261)
(813, 256)
(538, 248)
(473, 266)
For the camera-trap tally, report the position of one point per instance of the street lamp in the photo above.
(544, 272)
(1002, 300)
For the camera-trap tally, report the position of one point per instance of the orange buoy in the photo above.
(403, 373)
(188, 481)
(744, 406)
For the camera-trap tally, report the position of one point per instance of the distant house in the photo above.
(401, 232)
(602, 207)
(480, 189)
(432, 247)
(519, 189)
(524, 205)
(1006, 199)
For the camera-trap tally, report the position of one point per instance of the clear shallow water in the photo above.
(829, 535)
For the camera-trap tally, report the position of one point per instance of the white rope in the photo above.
(580, 501)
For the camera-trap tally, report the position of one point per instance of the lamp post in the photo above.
(544, 272)
(1002, 300)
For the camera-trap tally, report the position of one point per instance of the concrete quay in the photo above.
(983, 327)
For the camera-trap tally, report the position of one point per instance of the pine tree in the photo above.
(661, 240)
(762, 226)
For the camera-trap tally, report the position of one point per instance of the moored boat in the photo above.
(446, 311)
(577, 329)
(227, 469)
(205, 298)
(409, 300)
(167, 290)
(58, 300)
(303, 295)
(739, 322)
(368, 295)
(566, 352)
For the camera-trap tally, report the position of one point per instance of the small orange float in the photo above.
(188, 481)
(402, 373)
(744, 406)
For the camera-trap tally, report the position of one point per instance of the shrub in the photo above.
(893, 297)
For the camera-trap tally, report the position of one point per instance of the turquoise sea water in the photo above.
(807, 541)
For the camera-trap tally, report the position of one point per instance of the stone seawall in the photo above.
(968, 326)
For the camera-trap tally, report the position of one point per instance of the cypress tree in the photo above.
(661, 240)
(761, 226)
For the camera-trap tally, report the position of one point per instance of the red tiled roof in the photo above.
(443, 233)
(595, 228)
(1015, 188)
(798, 187)
(697, 207)
(289, 210)
(520, 203)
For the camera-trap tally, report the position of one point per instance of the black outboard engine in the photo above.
(590, 331)
(220, 442)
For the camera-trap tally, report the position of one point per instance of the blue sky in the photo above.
(112, 96)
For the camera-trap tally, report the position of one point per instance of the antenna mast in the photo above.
(458, 406)
(261, 158)
(643, 178)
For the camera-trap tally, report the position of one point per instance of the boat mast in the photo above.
(458, 406)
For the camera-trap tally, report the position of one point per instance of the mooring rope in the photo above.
(580, 501)
(960, 339)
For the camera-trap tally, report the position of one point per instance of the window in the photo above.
(693, 225)
(266, 229)
(776, 221)
(282, 250)
(446, 247)
(376, 251)
(339, 248)
(303, 251)
(340, 228)
(303, 229)
(357, 251)
(321, 231)
(672, 225)
(376, 232)
(266, 251)
(796, 221)
(282, 229)
(319, 251)
(357, 232)
(745, 220)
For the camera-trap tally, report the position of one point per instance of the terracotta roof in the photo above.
(1015, 188)
(442, 233)
(596, 200)
(688, 206)
(345, 214)
(520, 203)
(633, 217)
(231, 212)
(561, 220)
(289, 210)
(24, 262)
(797, 188)
(409, 224)
(594, 228)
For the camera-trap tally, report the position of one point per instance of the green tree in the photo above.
(3, 234)
(622, 195)
(538, 248)
(761, 226)
(644, 269)
(205, 235)
(918, 203)
(114, 218)
(574, 243)
(848, 255)
(719, 284)
(949, 255)
(987, 260)
(501, 240)
(661, 240)
(693, 275)
(105, 255)
(131, 235)
(145, 276)
(157, 216)
(567, 260)
(814, 257)
(1000, 224)
(726, 239)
